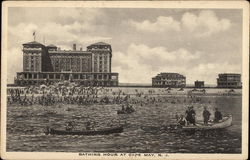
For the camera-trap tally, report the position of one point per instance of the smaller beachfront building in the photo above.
(199, 84)
(174, 80)
(229, 80)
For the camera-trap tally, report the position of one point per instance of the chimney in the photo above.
(74, 47)
(80, 48)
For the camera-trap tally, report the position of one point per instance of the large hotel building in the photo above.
(51, 64)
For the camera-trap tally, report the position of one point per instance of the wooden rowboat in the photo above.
(90, 132)
(225, 122)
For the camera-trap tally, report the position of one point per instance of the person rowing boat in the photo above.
(70, 125)
(182, 120)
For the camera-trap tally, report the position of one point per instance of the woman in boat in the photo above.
(217, 115)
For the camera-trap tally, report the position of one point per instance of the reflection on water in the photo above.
(143, 133)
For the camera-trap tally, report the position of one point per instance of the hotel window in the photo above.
(57, 76)
(51, 76)
(83, 76)
(40, 76)
(76, 76)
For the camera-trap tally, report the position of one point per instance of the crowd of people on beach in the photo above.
(85, 96)
(50, 95)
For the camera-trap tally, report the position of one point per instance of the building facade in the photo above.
(169, 80)
(229, 80)
(42, 64)
(199, 84)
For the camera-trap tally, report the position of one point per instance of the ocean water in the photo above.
(26, 124)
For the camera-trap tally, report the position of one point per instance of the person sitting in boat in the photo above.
(182, 120)
(190, 115)
(127, 108)
(131, 109)
(217, 115)
(70, 125)
(206, 114)
(88, 125)
(123, 108)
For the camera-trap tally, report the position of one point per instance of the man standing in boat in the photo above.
(217, 115)
(190, 115)
(206, 115)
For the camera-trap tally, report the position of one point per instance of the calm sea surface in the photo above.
(25, 127)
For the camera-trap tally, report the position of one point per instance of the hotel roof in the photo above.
(69, 52)
(33, 43)
(100, 44)
(51, 45)
(164, 74)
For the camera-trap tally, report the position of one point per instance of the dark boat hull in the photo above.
(124, 112)
(92, 132)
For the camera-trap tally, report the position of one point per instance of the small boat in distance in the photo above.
(181, 89)
(225, 122)
(127, 110)
(86, 132)
(124, 112)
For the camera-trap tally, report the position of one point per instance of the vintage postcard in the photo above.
(125, 80)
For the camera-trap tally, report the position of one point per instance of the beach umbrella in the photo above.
(43, 86)
(60, 83)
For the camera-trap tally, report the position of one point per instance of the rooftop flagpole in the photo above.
(43, 40)
(34, 35)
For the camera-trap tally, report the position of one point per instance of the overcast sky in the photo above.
(194, 42)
